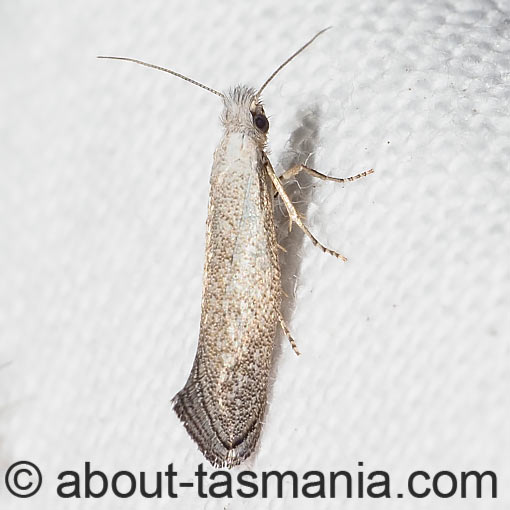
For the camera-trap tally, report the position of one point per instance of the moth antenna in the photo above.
(291, 58)
(167, 71)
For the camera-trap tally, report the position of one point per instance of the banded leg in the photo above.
(289, 336)
(294, 217)
(295, 170)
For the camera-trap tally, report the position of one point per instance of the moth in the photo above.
(223, 402)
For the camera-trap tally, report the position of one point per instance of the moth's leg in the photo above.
(295, 170)
(289, 336)
(293, 214)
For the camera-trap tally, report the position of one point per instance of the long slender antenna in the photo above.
(167, 71)
(290, 58)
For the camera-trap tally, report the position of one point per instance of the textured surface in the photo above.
(103, 201)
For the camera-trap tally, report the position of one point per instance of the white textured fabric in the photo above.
(103, 198)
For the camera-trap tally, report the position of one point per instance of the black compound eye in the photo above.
(261, 122)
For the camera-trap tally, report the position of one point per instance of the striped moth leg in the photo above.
(295, 170)
(294, 216)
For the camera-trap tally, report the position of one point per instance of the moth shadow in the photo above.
(299, 150)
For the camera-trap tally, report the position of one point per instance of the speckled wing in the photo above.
(223, 401)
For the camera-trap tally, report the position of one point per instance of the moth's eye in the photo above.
(261, 122)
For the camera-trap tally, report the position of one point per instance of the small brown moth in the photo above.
(223, 401)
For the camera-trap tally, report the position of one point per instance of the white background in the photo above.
(103, 198)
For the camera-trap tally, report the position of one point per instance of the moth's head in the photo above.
(243, 109)
(243, 112)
